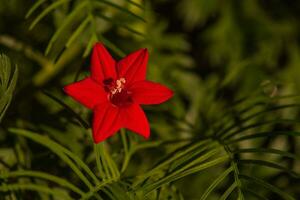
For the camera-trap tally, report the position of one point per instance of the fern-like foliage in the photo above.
(238, 148)
(83, 21)
(248, 141)
(79, 24)
(8, 80)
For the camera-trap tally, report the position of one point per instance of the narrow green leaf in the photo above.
(78, 31)
(99, 4)
(50, 8)
(5, 72)
(112, 46)
(268, 164)
(250, 117)
(225, 126)
(117, 192)
(203, 166)
(195, 155)
(174, 156)
(4, 105)
(36, 174)
(135, 4)
(216, 182)
(228, 191)
(7, 83)
(147, 188)
(95, 190)
(68, 20)
(78, 117)
(259, 124)
(121, 25)
(32, 187)
(81, 164)
(199, 159)
(264, 134)
(271, 151)
(34, 7)
(254, 194)
(55, 148)
(93, 39)
(273, 108)
(268, 186)
(259, 100)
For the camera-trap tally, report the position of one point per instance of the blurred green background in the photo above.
(212, 53)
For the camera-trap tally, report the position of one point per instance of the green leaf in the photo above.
(34, 7)
(264, 134)
(90, 44)
(112, 46)
(180, 174)
(99, 4)
(268, 164)
(78, 31)
(67, 21)
(254, 194)
(36, 174)
(194, 155)
(33, 187)
(266, 185)
(50, 8)
(271, 151)
(77, 116)
(216, 182)
(57, 149)
(8, 81)
(95, 190)
(200, 158)
(228, 191)
(135, 4)
(174, 156)
(260, 124)
(250, 117)
(121, 25)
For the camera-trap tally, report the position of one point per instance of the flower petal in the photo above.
(136, 120)
(87, 92)
(106, 121)
(147, 92)
(103, 66)
(133, 67)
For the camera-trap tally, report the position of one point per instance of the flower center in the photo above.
(117, 93)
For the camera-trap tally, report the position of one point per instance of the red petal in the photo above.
(106, 122)
(87, 92)
(135, 120)
(147, 92)
(103, 65)
(133, 67)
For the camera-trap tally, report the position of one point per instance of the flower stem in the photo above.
(126, 150)
(98, 161)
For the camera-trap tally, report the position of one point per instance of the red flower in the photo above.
(114, 91)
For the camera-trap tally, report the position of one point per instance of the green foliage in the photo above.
(230, 132)
(8, 80)
(84, 17)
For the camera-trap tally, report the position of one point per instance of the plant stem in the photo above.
(127, 153)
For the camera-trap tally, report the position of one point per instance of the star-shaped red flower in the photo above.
(115, 90)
